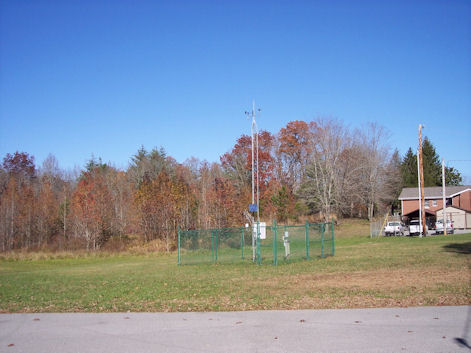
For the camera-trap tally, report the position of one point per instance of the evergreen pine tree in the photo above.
(432, 165)
(409, 169)
(432, 168)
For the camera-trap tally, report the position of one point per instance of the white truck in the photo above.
(415, 228)
(394, 228)
(439, 227)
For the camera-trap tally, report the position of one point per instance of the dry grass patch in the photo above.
(380, 279)
(350, 228)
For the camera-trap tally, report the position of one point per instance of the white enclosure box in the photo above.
(263, 229)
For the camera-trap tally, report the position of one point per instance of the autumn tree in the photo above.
(92, 205)
(295, 149)
(47, 213)
(163, 204)
(52, 192)
(20, 165)
(225, 209)
(18, 201)
(237, 166)
(9, 204)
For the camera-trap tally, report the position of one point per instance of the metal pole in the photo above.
(306, 234)
(258, 208)
(179, 259)
(322, 239)
(217, 245)
(333, 238)
(420, 196)
(253, 173)
(259, 254)
(253, 184)
(242, 240)
(422, 191)
(254, 130)
(275, 245)
(443, 196)
(212, 246)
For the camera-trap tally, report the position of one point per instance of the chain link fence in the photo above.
(377, 225)
(258, 244)
(376, 228)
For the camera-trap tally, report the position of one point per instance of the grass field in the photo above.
(365, 272)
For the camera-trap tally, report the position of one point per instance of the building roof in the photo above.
(416, 212)
(434, 192)
(451, 206)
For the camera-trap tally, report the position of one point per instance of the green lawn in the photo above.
(365, 272)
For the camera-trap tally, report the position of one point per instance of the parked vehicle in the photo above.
(439, 227)
(415, 228)
(394, 228)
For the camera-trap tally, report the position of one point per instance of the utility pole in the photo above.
(420, 196)
(254, 125)
(421, 171)
(444, 196)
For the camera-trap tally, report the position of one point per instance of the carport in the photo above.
(430, 217)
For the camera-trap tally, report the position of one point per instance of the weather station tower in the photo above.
(254, 206)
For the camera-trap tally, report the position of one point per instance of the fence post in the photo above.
(284, 234)
(306, 231)
(242, 241)
(322, 238)
(259, 254)
(179, 259)
(275, 245)
(333, 238)
(212, 246)
(217, 245)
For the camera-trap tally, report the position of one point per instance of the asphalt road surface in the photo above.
(418, 329)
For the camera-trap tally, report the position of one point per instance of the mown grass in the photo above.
(365, 272)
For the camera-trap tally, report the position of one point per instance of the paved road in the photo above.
(423, 329)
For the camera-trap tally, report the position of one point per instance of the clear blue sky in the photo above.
(104, 77)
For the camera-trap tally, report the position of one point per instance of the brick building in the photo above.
(458, 197)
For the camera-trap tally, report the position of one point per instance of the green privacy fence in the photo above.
(258, 244)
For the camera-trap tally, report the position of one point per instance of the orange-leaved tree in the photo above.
(92, 206)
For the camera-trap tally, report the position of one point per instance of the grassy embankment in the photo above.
(364, 273)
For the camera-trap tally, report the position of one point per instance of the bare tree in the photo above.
(392, 182)
(322, 188)
(372, 142)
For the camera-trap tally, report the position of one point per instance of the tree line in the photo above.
(308, 170)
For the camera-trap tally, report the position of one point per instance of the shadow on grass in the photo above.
(459, 248)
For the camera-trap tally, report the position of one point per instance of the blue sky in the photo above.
(104, 77)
